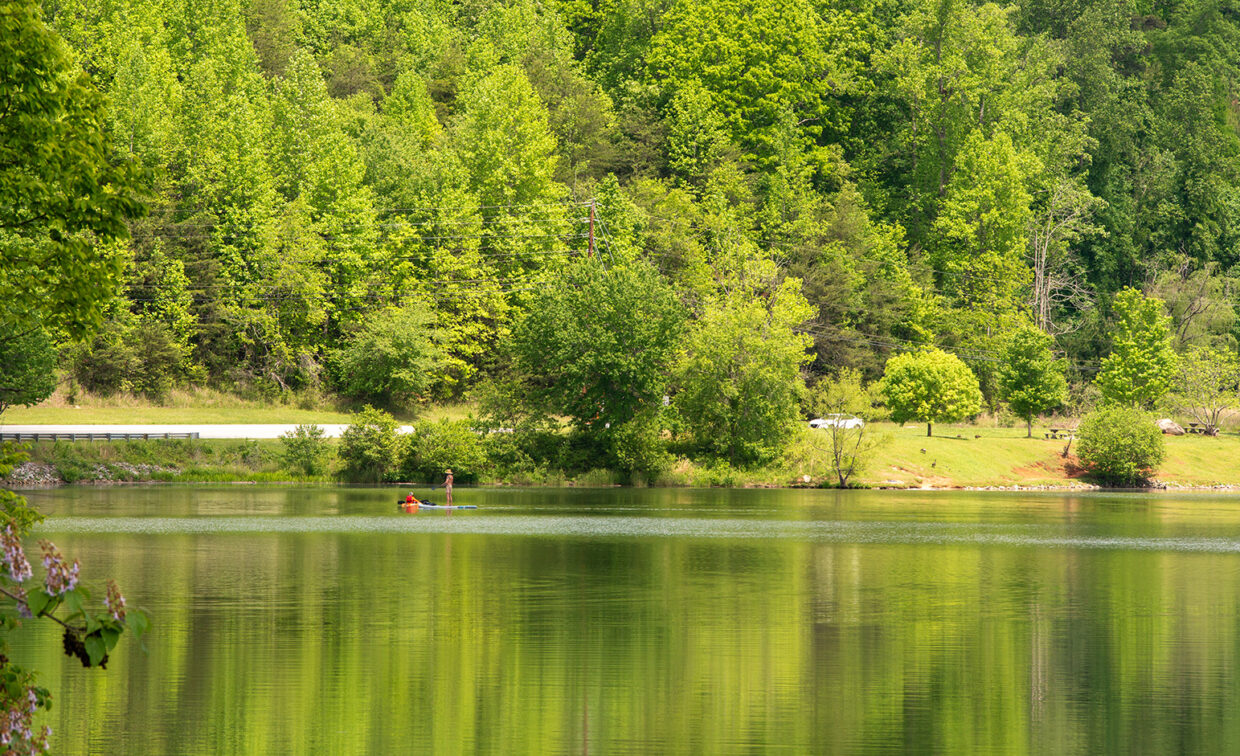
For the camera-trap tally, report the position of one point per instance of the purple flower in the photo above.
(60, 576)
(13, 555)
(114, 601)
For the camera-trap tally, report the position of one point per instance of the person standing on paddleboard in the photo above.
(447, 486)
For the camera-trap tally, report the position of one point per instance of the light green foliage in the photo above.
(931, 387)
(982, 224)
(392, 357)
(843, 394)
(1031, 380)
(739, 377)
(305, 449)
(967, 78)
(696, 140)
(64, 198)
(27, 369)
(1120, 446)
(371, 447)
(598, 344)
(443, 445)
(504, 140)
(1139, 370)
(1205, 385)
(760, 60)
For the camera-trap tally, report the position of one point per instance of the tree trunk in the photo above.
(1029, 427)
(929, 427)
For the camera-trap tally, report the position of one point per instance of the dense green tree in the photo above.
(1031, 380)
(393, 357)
(931, 387)
(446, 445)
(758, 60)
(371, 447)
(305, 449)
(1141, 366)
(597, 344)
(739, 377)
(65, 198)
(505, 142)
(27, 369)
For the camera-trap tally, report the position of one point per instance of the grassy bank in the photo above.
(199, 405)
(956, 457)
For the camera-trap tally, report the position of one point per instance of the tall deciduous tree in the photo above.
(931, 387)
(63, 200)
(1031, 380)
(1141, 365)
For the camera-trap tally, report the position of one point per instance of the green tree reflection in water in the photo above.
(673, 634)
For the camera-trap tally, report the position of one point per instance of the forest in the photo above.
(647, 216)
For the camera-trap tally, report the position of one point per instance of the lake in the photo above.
(321, 621)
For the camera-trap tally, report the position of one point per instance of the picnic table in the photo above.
(1061, 433)
(1201, 428)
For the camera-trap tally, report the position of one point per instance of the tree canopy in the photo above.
(931, 387)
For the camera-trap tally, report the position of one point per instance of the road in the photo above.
(330, 430)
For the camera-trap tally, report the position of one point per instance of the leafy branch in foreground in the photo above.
(89, 633)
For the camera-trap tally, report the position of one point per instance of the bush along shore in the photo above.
(959, 457)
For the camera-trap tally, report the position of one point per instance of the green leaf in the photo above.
(38, 601)
(95, 649)
(138, 622)
(73, 600)
(110, 637)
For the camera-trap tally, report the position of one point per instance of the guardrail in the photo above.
(24, 436)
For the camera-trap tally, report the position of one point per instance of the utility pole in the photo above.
(590, 248)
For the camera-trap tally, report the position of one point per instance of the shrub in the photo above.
(305, 449)
(371, 446)
(447, 443)
(639, 449)
(1120, 446)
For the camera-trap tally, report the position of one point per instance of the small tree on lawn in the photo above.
(931, 386)
(1031, 380)
(848, 449)
(1141, 366)
(1206, 385)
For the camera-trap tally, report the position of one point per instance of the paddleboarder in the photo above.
(447, 486)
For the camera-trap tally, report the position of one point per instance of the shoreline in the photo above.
(36, 476)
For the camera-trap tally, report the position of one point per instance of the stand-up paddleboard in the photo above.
(400, 504)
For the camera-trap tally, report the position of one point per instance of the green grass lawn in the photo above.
(965, 455)
(168, 415)
(201, 406)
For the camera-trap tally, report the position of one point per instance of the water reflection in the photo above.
(314, 621)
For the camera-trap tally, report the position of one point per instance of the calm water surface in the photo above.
(321, 621)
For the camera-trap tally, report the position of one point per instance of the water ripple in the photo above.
(829, 531)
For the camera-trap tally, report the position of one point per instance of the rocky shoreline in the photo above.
(43, 475)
